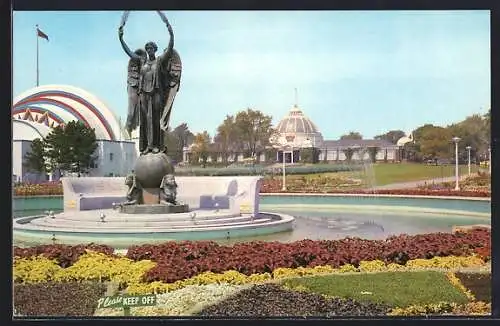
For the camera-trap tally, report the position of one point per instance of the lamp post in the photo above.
(468, 158)
(456, 140)
(284, 175)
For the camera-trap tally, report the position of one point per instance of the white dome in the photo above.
(297, 130)
(403, 140)
(51, 105)
(296, 122)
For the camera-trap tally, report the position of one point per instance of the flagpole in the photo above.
(37, 70)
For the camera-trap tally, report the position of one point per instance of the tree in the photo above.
(57, 150)
(82, 144)
(474, 131)
(434, 142)
(71, 147)
(372, 151)
(34, 161)
(176, 140)
(354, 135)
(201, 147)
(184, 135)
(391, 136)
(349, 152)
(226, 138)
(253, 130)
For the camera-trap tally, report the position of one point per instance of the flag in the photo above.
(41, 34)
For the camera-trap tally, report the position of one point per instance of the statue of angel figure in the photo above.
(156, 83)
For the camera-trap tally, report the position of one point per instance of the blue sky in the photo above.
(366, 71)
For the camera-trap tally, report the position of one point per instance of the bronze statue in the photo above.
(168, 190)
(159, 81)
(133, 90)
(134, 193)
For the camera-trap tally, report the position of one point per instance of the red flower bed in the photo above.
(38, 189)
(182, 260)
(64, 254)
(275, 186)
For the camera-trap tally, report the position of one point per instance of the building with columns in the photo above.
(296, 133)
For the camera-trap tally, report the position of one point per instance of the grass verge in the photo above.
(393, 288)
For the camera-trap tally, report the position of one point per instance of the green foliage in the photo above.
(349, 152)
(71, 148)
(82, 145)
(372, 151)
(391, 136)
(34, 161)
(226, 140)
(309, 155)
(201, 148)
(253, 129)
(352, 135)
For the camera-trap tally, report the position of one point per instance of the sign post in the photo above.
(126, 302)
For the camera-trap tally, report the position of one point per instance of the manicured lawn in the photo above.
(387, 173)
(400, 289)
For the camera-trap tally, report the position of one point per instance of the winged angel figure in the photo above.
(152, 81)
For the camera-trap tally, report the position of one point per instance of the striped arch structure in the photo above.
(39, 109)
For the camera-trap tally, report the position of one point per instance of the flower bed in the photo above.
(477, 284)
(275, 186)
(182, 260)
(183, 302)
(268, 300)
(207, 290)
(475, 183)
(57, 299)
(38, 189)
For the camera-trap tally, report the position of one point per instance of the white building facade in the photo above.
(38, 110)
(296, 132)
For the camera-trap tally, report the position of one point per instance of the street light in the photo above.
(468, 157)
(284, 176)
(456, 140)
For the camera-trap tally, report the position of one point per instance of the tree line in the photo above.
(248, 132)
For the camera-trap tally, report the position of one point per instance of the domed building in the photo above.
(37, 111)
(295, 132)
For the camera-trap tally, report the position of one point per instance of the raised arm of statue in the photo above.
(125, 46)
(168, 51)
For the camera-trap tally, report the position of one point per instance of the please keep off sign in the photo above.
(126, 301)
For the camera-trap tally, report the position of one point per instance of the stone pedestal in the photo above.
(151, 196)
(154, 209)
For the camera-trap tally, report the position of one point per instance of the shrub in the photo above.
(34, 269)
(177, 261)
(64, 255)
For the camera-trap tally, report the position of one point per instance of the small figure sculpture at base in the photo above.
(168, 190)
(134, 193)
